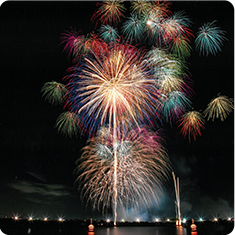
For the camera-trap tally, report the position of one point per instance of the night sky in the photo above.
(37, 164)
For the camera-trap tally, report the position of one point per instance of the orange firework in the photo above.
(154, 19)
(112, 87)
(142, 166)
(168, 70)
(140, 7)
(160, 8)
(109, 12)
(95, 44)
(191, 123)
(219, 107)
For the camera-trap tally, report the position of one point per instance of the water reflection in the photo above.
(194, 233)
(180, 230)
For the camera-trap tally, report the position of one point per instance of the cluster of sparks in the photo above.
(116, 91)
(141, 163)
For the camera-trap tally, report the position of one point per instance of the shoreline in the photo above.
(23, 226)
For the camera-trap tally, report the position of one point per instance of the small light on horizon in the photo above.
(108, 220)
(30, 218)
(45, 219)
(157, 220)
(184, 220)
(200, 219)
(123, 220)
(229, 219)
(16, 217)
(168, 220)
(137, 220)
(215, 219)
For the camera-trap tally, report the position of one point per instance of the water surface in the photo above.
(141, 231)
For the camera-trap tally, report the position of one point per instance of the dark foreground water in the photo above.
(24, 227)
(113, 231)
(141, 231)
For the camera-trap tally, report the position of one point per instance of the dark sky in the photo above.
(36, 170)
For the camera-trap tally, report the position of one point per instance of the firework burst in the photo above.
(109, 12)
(113, 82)
(175, 105)
(155, 29)
(140, 7)
(68, 124)
(219, 107)
(142, 166)
(181, 47)
(177, 25)
(54, 92)
(74, 42)
(191, 124)
(116, 91)
(94, 44)
(133, 28)
(160, 9)
(177, 34)
(111, 87)
(209, 39)
(168, 71)
(154, 22)
(108, 33)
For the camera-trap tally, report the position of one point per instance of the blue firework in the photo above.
(175, 105)
(133, 28)
(209, 39)
(108, 33)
